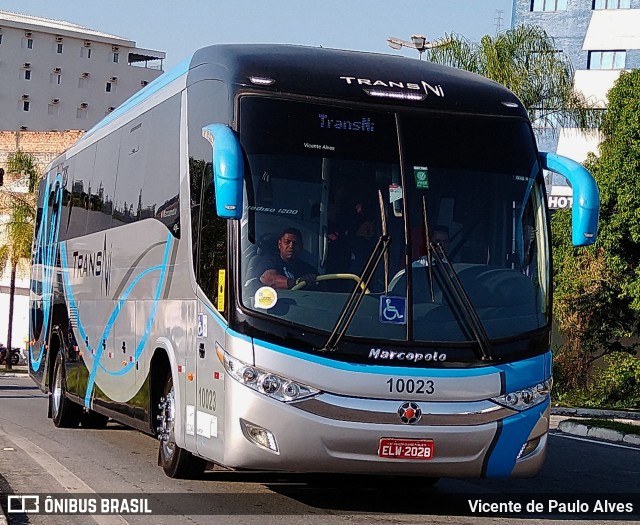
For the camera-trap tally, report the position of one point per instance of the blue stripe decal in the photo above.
(154, 308)
(515, 432)
(218, 319)
(527, 372)
(529, 365)
(523, 374)
(97, 355)
(140, 96)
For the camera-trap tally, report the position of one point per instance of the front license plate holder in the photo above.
(415, 449)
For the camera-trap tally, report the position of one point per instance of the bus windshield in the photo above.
(325, 183)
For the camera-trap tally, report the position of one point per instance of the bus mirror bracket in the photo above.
(586, 196)
(228, 168)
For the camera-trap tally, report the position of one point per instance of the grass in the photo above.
(625, 428)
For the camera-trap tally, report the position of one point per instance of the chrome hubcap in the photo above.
(166, 420)
(57, 391)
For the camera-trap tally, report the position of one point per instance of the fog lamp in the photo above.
(260, 436)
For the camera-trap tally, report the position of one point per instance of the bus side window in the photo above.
(209, 231)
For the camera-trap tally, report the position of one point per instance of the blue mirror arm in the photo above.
(586, 196)
(228, 170)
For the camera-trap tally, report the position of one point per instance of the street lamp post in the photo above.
(418, 42)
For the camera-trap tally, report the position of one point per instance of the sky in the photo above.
(179, 27)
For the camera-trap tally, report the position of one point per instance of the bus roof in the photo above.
(353, 76)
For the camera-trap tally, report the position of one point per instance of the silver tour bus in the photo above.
(307, 260)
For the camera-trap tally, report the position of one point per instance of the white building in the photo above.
(55, 75)
(602, 39)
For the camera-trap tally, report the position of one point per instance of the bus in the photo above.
(404, 352)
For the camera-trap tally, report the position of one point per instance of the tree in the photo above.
(525, 60)
(15, 247)
(27, 165)
(597, 289)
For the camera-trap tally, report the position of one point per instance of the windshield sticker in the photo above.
(421, 174)
(392, 309)
(395, 193)
(222, 282)
(202, 325)
(265, 298)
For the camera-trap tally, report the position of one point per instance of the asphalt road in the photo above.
(37, 458)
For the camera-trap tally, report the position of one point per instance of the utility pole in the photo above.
(498, 20)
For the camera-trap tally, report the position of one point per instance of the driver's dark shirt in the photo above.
(291, 269)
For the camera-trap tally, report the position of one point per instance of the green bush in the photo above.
(617, 385)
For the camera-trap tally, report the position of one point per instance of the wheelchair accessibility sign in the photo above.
(393, 309)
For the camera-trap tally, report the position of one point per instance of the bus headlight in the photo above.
(267, 383)
(527, 397)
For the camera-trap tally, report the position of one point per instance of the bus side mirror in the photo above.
(228, 170)
(586, 196)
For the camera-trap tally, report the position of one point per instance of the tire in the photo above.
(175, 461)
(65, 413)
(93, 419)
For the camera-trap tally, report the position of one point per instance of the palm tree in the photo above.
(15, 246)
(525, 60)
(26, 164)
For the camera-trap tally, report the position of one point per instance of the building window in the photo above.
(26, 105)
(108, 89)
(81, 113)
(607, 60)
(548, 5)
(85, 52)
(0, 38)
(116, 57)
(53, 109)
(27, 43)
(611, 4)
(27, 74)
(59, 49)
(55, 78)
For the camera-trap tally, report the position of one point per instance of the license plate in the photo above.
(406, 448)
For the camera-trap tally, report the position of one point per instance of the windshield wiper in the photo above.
(354, 300)
(463, 301)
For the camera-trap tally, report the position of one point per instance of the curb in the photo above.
(578, 429)
(595, 412)
(17, 371)
(595, 432)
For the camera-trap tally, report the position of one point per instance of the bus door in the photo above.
(209, 406)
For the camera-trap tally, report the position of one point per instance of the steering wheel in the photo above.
(332, 276)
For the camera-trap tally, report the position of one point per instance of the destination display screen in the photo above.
(330, 131)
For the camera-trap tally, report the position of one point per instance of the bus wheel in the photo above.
(65, 413)
(93, 419)
(175, 461)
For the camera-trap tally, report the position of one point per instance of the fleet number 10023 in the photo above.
(410, 386)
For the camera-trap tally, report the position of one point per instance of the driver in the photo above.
(285, 269)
